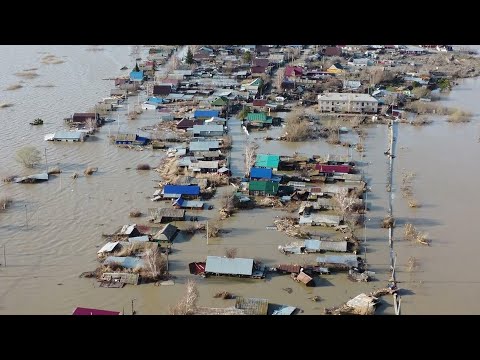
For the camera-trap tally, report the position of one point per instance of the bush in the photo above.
(28, 156)
(143, 167)
(54, 170)
(459, 116)
(135, 213)
(296, 128)
(90, 170)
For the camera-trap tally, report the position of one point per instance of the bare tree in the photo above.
(345, 202)
(412, 234)
(5, 201)
(28, 156)
(154, 264)
(231, 253)
(250, 156)
(296, 127)
(279, 76)
(91, 124)
(188, 303)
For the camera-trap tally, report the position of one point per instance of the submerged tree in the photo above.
(28, 156)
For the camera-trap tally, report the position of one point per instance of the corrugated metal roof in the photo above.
(252, 306)
(205, 113)
(262, 117)
(38, 177)
(269, 161)
(260, 173)
(304, 278)
(284, 310)
(108, 247)
(143, 238)
(89, 311)
(197, 129)
(224, 265)
(192, 204)
(203, 145)
(166, 212)
(350, 260)
(69, 135)
(166, 233)
(313, 245)
(269, 187)
(333, 168)
(202, 164)
(181, 189)
(128, 262)
(316, 218)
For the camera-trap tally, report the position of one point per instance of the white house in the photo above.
(347, 102)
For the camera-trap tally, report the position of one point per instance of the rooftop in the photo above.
(347, 97)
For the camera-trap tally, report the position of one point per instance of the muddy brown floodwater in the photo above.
(53, 230)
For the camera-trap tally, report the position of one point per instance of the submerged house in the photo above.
(240, 267)
(181, 203)
(89, 311)
(165, 215)
(319, 219)
(66, 136)
(84, 118)
(210, 145)
(184, 191)
(131, 139)
(166, 235)
(330, 170)
(207, 130)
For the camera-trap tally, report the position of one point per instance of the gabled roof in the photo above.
(293, 71)
(345, 169)
(269, 161)
(260, 173)
(261, 62)
(220, 101)
(136, 75)
(197, 129)
(168, 232)
(259, 102)
(89, 311)
(258, 117)
(181, 189)
(224, 265)
(269, 187)
(206, 113)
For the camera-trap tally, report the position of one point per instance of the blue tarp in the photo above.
(155, 100)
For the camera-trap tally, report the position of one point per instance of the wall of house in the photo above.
(348, 106)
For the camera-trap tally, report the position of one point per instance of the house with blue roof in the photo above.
(136, 75)
(184, 191)
(260, 173)
(205, 114)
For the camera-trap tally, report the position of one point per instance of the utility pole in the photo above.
(4, 255)
(133, 311)
(46, 163)
(207, 232)
(26, 217)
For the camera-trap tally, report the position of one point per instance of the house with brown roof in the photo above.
(333, 51)
(162, 90)
(261, 62)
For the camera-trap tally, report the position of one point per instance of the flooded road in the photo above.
(53, 230)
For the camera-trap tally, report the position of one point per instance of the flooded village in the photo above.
(237, 180)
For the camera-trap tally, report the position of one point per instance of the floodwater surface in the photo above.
(53, 230)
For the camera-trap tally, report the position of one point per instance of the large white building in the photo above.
(347, 103)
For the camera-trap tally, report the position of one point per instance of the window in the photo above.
(363, 104)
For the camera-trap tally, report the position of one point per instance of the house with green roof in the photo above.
(259, 119)
(221, 101)
(263, 188)
(267, 161)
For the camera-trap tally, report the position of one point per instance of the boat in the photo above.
(124, 68)
(37, 121)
